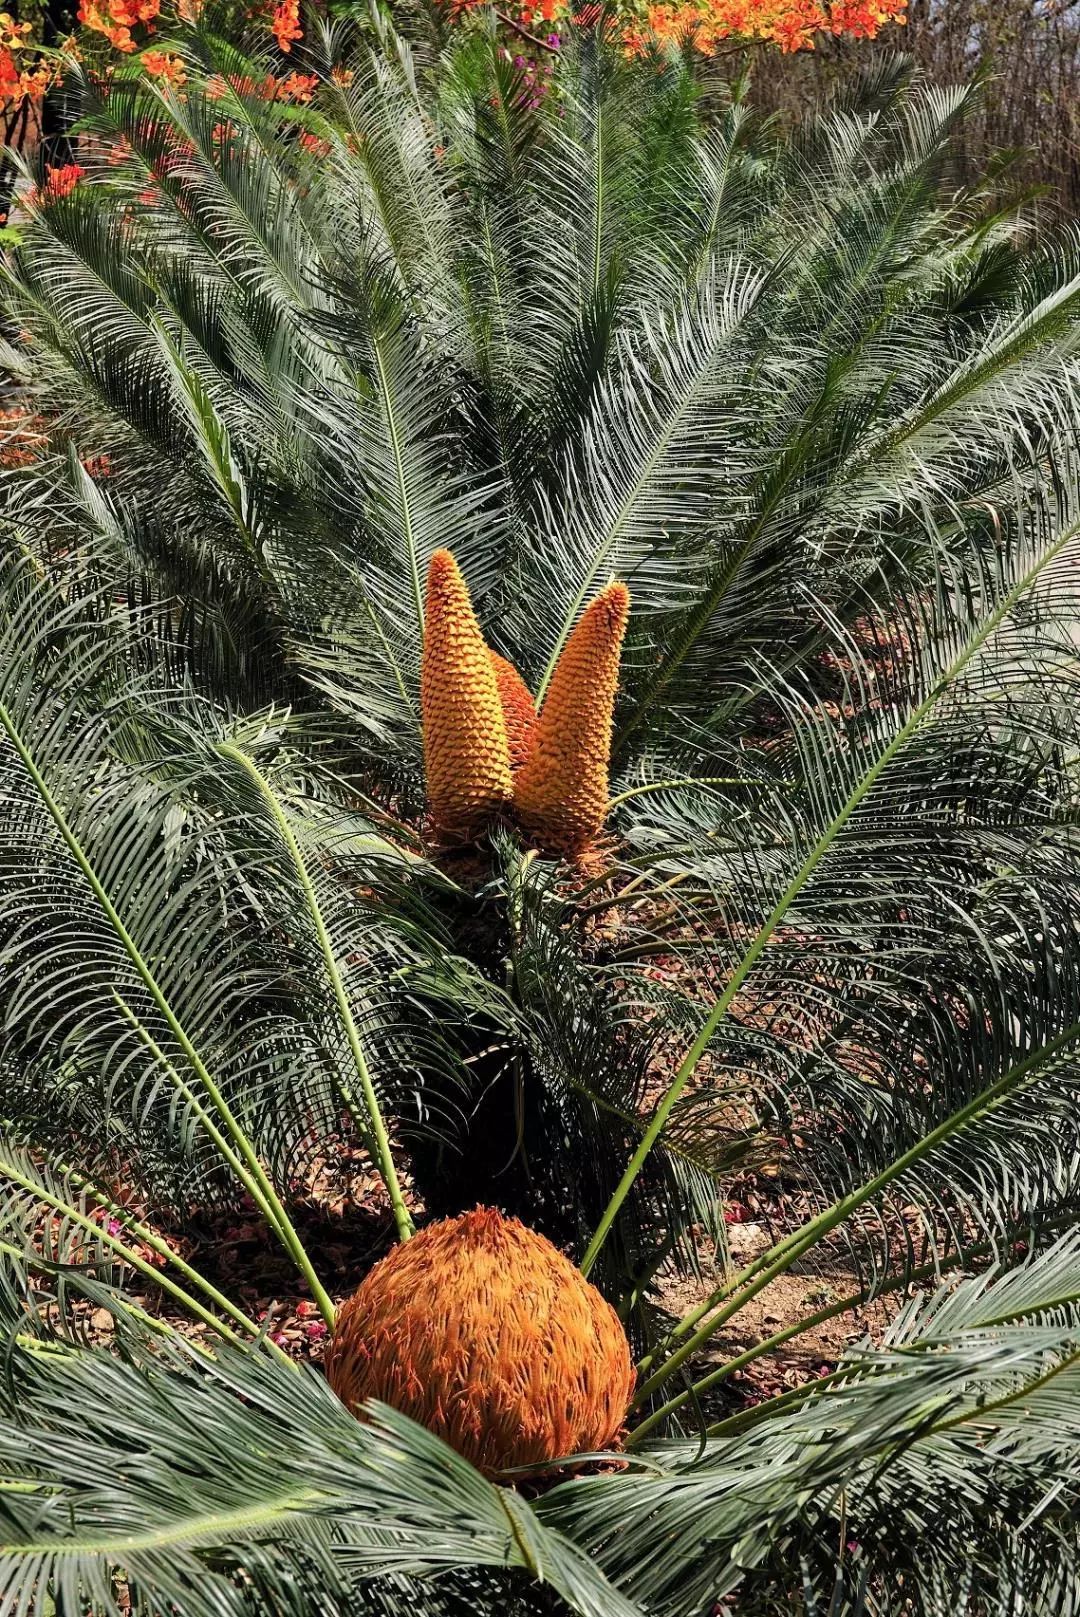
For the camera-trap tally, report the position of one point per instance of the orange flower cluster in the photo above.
(487, 751)
(484, 1332)
(16, 81)
(285, 24)
(59, 182)
(116, 19)
(164, 65)
(293, 87)
(21, 438)
(790, 24)
(315, 144)
(537, 16)
(19, 78)
(217, 86)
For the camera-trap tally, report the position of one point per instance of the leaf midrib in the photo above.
(214, 1524)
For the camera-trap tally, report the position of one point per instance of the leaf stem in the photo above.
(390, 416)
(282, 1225)
(379, 1137)
(981, 1411)
(793, 1247)
(806, 870)
(228, 1155)
(701, 780)
(769, 1344)
(150, 1238)
(192, 1304)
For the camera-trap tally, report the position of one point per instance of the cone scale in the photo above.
(519, 710)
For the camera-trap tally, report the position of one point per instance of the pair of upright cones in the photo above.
(487, 752)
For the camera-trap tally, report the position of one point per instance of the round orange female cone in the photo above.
(466, 752)
(482, 1331)
(561, 793)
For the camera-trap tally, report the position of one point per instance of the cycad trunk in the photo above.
(515, 1136)
(488, 1122)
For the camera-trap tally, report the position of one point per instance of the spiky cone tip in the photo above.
(562, 793)
(466, 751)
(484, 1332)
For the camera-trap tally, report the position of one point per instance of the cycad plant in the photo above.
(385, 430)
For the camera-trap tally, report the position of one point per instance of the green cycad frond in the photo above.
(154, 928)
(645, 464)
(203, 1520)
(966, 1413)
(66, 1241)
(381, 353)
(782, 1495)
(877, 973)
(789, 441)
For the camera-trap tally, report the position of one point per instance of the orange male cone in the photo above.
(466, 752)
(519, 709)
(561, 792)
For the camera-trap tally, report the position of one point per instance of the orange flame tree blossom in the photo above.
(117, 18)
(792, 25)
(22, 73)
(59, 182)
(285, 24)
(708, 24)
